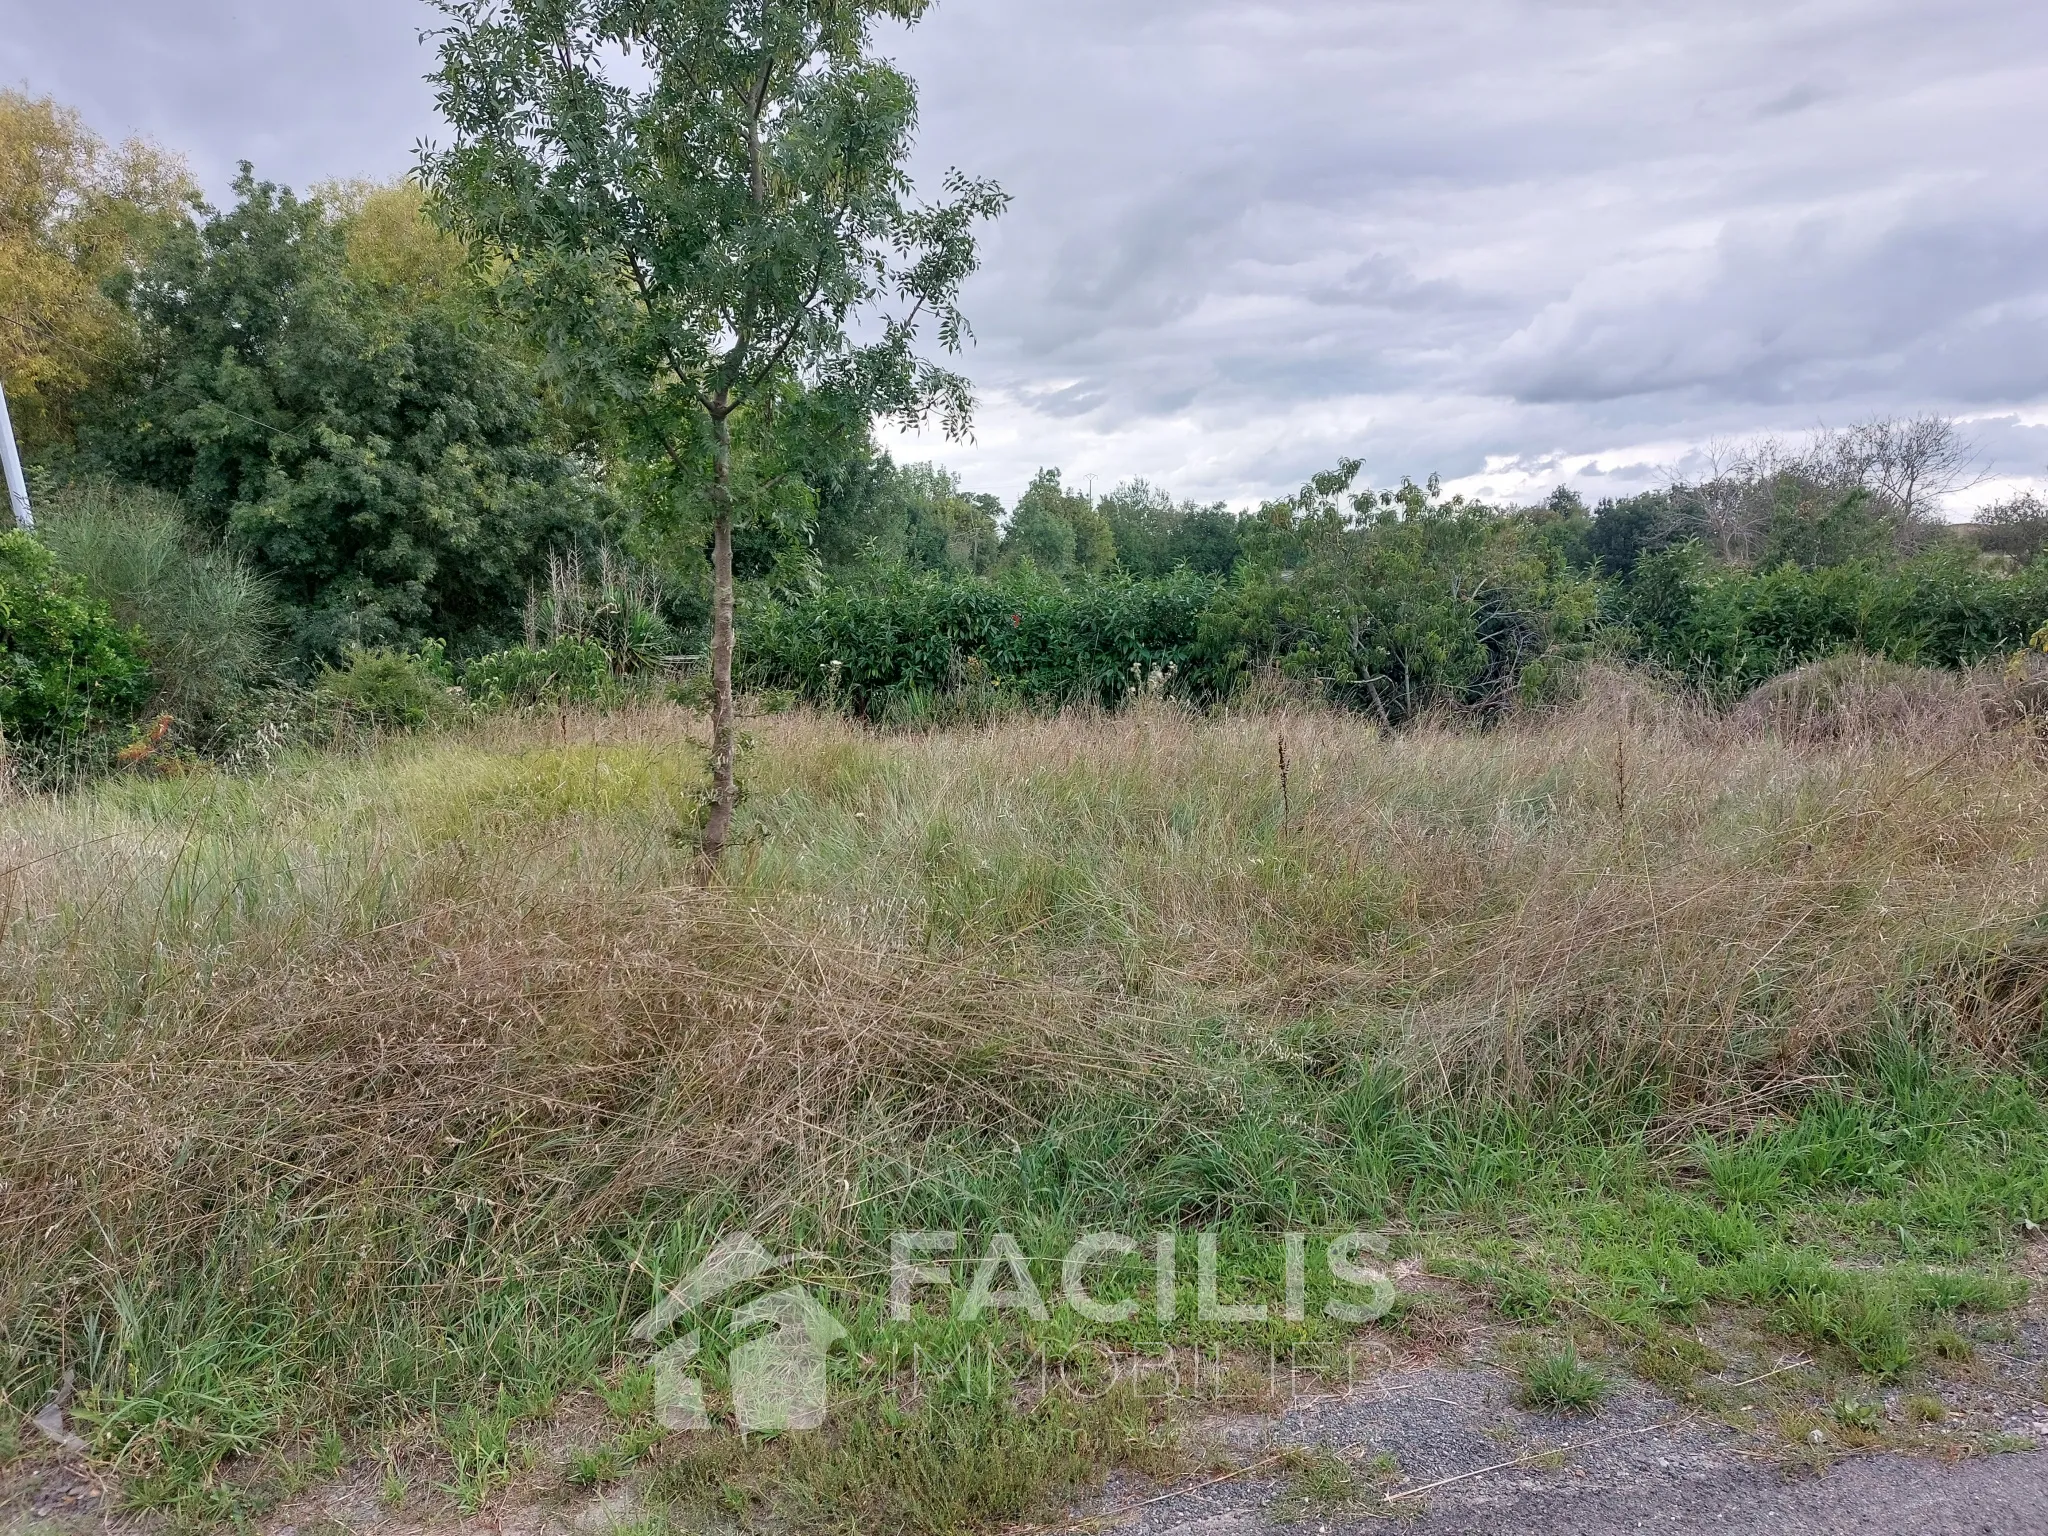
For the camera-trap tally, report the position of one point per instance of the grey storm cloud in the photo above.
(1511, 240)
(1251, 237)
(1945, 299)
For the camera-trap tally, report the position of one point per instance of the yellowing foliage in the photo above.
(392, 243)
(75, 213)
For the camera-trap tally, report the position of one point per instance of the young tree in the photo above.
(692, 202)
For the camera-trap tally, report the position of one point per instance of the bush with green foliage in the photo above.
(1726, 630)
(1406, 603)
(565, 671)
(1817, 527)
(919, 516)
(1023, 636)
(393, 689)
(208, 620)
(1058, 532)
(821, 492)
(1155, 535)
(1618, 534)
(69, 671)
(1394, 604)
(2016, 528)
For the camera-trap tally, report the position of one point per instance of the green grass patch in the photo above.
(1558, 1381)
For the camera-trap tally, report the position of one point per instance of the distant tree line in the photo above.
(1396, 602)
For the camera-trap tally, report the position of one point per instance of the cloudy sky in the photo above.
(1510, 241)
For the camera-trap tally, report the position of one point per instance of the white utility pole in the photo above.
(17, 486)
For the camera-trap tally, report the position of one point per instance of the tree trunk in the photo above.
(724, 790)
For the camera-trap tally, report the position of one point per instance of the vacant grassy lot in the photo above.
(357, 1106)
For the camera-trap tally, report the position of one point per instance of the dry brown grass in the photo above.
(472, 969)
(1857, 698)
(517, 1032)
(1624, 891)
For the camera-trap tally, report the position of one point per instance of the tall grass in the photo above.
(380, 1071)
(208, 620)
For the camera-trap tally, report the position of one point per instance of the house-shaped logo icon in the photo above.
(778, 1379)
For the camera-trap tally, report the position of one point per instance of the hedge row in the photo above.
(866, 648)
(1729, 630)
(1395, 619)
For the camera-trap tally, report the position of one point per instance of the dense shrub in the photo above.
(1155, 535)
(68, 670)
(1727, 630)
(1411, 604)
(1620, 533)
(1025, 636)
(1058, 532)
(567, 671)
(1420, 605)
(1413, 607)
(2016, 528)
(382, 454)
(390, 688)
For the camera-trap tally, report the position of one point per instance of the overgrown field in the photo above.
(363, 1103)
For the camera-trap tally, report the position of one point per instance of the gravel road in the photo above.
(1639, 1465)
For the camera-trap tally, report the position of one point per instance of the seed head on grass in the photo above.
(1557, 1381)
